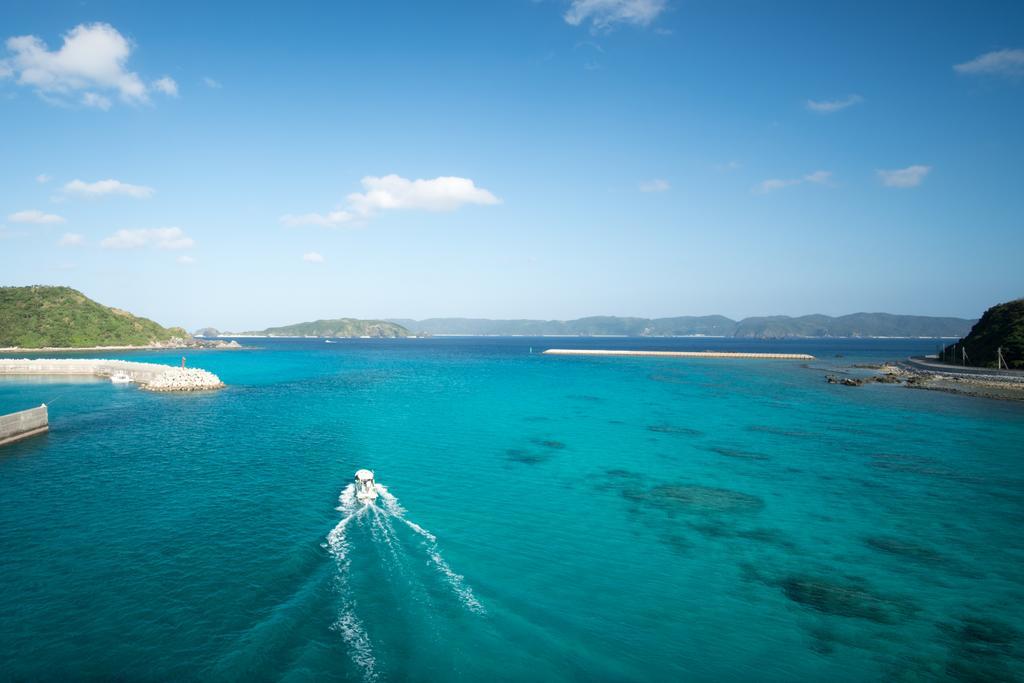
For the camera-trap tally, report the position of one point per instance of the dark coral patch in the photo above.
(689, 497)
(526, 457)
(549, 443)
(674, 429)
(903, 548)
(737, 453)
(777, 431)
(844, 598)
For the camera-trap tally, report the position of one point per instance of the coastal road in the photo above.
(918, 363)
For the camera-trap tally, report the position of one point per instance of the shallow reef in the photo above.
(549, 443)
(982, 649)
(526, 457)
(737, 453)
(778, 431)
(674, 429)
(693, 498)
(845, 597)
(904, 548)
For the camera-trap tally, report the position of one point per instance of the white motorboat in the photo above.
(120, 378)
(366, 488)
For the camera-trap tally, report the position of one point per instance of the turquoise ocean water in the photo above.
(555, 519)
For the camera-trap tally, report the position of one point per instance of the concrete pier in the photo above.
(679, 354)
(23, 424)
(150, 376)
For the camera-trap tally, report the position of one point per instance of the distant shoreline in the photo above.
(213, 346)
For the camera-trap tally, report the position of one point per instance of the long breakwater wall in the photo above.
(23, 424)
(150, 376)
(679, 354)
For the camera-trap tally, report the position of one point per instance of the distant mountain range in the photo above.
(766, 327)
(337, 327)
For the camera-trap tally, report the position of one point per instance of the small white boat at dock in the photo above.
(120, 378)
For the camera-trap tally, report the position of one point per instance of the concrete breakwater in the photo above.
(23, 424)
(680, 354)
(151, 376)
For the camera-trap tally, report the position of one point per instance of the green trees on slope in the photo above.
(1001, 326)
(38, 316)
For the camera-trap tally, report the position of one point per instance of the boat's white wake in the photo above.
(456, 581)
(380, 520)
(348, 623)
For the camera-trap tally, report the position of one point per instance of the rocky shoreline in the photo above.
(210, 344)
(1005, 388)
(149, 376)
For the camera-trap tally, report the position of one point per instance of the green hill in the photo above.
(340, 327)
(769, 327)
(40, 316)
(1000, 326)
(598, 325)
(853, 325)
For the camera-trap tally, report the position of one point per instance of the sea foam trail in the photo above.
(381, 530)
(348, 623)
(455, 581)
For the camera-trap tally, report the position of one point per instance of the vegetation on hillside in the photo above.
(340, 327)
(853, 325)
(772, 327)
(41, 316)
(1000, 326)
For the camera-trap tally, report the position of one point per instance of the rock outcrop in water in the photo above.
(184, 379)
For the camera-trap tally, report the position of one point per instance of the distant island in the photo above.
(1000, 330)
(769, 327)
(337, 328)
(60, 317)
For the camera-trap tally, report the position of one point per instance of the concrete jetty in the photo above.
(679, 354)
(23, 424)
(150, 376)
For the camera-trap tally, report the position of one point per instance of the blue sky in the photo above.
(255, 164)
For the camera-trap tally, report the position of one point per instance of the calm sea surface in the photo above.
(556, 519)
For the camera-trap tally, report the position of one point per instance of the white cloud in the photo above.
(108, 187)
(728, 166)
(603, 14)
(43, 178)
(773, 184)
(186, 260)
(445, 193)
(92, 60)
(656, 185)
(71, 239)
(328, 220)
(167, 86)
(911, 176)
(829, 106)
(35, 216)
(161, 238)
(996, 63)
(211, 83)
(91, 99)
(312, 257)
